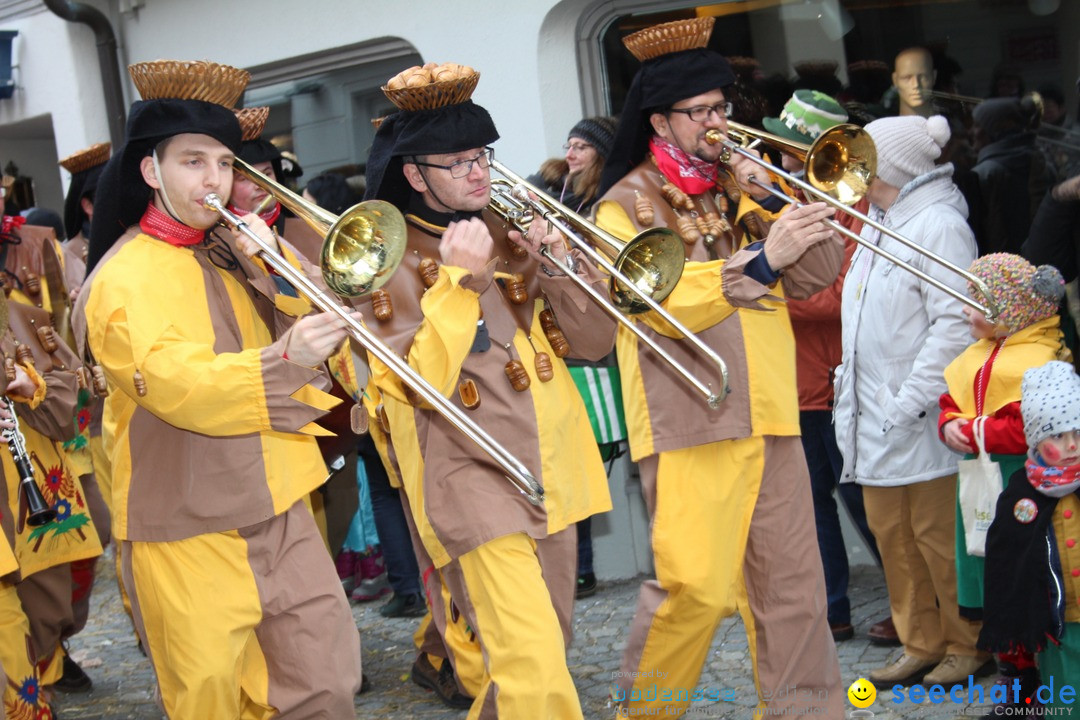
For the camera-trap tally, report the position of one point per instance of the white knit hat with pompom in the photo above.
(907, 146)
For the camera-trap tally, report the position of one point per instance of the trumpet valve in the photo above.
(381, 305)
(429, 272)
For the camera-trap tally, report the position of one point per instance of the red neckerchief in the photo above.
(269, 217)
(690, 174)
(10, 223)
(1052, 480)
(159, 225)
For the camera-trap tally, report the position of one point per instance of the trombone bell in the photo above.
(363, 248)
(842, 162)
(654, 261)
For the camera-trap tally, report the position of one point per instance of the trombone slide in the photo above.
(516, 472)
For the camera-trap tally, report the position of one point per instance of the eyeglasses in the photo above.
(577, 147)
(700, 113)
(461, 168)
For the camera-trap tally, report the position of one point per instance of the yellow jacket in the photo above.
(223, 437)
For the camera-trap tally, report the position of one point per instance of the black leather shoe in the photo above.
(441, 682)
(586, 586)
(404, 606)
(841, 631)
(73, 679)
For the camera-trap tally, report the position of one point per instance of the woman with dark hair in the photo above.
(331, 192)
(574, 178)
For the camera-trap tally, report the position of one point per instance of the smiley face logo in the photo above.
(862, 693)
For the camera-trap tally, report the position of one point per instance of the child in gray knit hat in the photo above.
(1032, 551)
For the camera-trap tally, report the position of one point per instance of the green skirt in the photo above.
(970, 571)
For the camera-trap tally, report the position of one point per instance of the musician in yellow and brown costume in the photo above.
(727, 490)
(483, 318)
(216, 380)
(36, 601)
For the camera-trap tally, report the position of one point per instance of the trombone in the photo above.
(361, 250)
(643, 271)
(840, 166)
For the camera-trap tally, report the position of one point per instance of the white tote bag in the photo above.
(980, 485)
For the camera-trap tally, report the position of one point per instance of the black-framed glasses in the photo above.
(461, 168)
(700, 113)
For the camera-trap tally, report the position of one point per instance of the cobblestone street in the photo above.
(123, 682)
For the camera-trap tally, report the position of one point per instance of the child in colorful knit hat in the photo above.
(985, 380)
(1032, 603)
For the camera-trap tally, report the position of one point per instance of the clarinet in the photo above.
(40, 512)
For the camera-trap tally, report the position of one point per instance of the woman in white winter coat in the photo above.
(899, 333)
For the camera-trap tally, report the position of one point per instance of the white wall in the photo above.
(57, 74)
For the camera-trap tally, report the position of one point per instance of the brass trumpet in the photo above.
(360, 252)
(840, 166)
(643, 270)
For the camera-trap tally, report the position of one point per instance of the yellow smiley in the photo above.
(862, 693)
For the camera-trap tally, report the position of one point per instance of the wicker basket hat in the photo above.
(252, 121)
(670, 37)
(91, 157)
(189, 80)
(430, 86)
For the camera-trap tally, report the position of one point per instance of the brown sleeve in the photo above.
(815, 270)
(739, 289)
(588, 328)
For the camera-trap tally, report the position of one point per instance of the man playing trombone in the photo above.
(728, 491)
(210, 422)
(484, 318)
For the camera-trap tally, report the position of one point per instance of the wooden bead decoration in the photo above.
(702, 226)
(676, 197)
(558, 342)
(429, 272)
(381, 305)
(516, 251)
(9, 369)
(547, 320)
(384, 422)
(469, 394)
(519, 379)
(31, 282)
(687, 229)
(516, 290)
(643, 209)
(82, 378)
(101, 386)
(542, 363)
(358, 419)
(24, 354)
(140, 383)
(48, 338)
